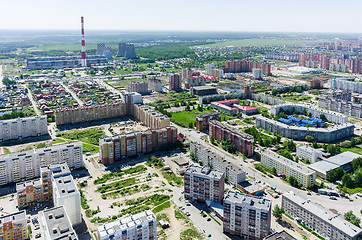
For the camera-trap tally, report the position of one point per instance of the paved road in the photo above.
(1, 76)
(108, 87)
(33, 103)
(80, 102)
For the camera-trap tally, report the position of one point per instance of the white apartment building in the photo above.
(308, 153)
(246, 216)
(25, 165)
(56, 224)
(287, 167)
(257, 73)
(327, 224)
(141, 226)
(14, 129)
(345, 85)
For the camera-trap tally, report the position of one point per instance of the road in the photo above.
(108, 87)
(33, 103)
(1, 76)
(80, 102)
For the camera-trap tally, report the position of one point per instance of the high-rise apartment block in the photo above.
(343, 102)
(186, 73)
(174, 82)
(288, 168)
(283, 56)
(125, 145)
(89, 113)
(202, 183)
(135, 86)
(202, 120)
(246, 216)
(242, 141)
(345, 85)
(15, 129)
(155, 85)
(237, 66)
(150, 117)
(194, 82)
(29, 193)
(327, 224)
(56, 224)
(126, 50)
(25, 165)
(139, 226)
(308, 153)
(14, 226)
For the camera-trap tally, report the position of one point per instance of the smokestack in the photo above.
(84, 59)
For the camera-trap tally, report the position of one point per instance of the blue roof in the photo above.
(283, 120)
(316, 120)
(294, 119)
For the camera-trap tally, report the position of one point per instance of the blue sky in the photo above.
(193, 15)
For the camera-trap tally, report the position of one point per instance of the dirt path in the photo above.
(176, 226)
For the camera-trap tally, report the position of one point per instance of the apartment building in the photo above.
(150, 117)
(174, 82)
(194, 81)
(25, 165)
(287, 167)
(326, 135)
(135, 86)
(202, 120)
(288, 56)
(116, 147)
(308, 153)
(327, 224)
(342, 102)
(90, 113)
(246, 216)
(241, 140)
(131, 97)
(17, 129)
(56, 224)
(186, 73)
(139, 226)
(155, 84)
(29, 193)
(14, 226)
(209, 157)
(237, 66)
(345, 85)
(202, 183)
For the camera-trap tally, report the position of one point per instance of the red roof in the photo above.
(245, 108)
(227, 101)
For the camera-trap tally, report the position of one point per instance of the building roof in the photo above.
(216, 206)
(343, 158)
(204, 88)
(22, 186)
(13, 217)
(204, 171)
(283, 235)
(226, 101)
(254, 201)
(323, 166)
(329, 217)
(58, 225)
(245, 108)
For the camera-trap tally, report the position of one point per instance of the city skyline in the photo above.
(239, 16)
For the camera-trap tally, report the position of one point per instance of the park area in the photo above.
(187, 118)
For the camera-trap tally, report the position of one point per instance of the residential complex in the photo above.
(149, 117)
(232, 107)
(202, 120)
(202, 183)
(63, 62)
(203, 90)
(174, 82)
(209, 158)
(14, 226)
(186, 73)
(135, 86)
(287, 167)
(17, 129)
(315, 83)
(347, 85)
(139, 226)
(126, 50)
(125, 145)
(308, 153)
(327, 224)
(25, 165)
(194, 81)
(287, 56)
(56, 224)
(155, 85)
(246, 216)
(299, 133)
(242, 141)
(237, 66)
(30, 193)
(343, 102)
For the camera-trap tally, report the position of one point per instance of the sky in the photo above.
(186, 15)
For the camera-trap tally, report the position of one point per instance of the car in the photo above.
(308, 193)
(209, 235)
(38, 235)
(37, 227)
(188, 204)
(351, 200)
(333, 198)
(28, 221)
(208, 219)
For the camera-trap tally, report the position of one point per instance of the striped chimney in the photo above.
(84, 59)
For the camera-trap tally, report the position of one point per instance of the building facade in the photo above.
(29, 193)
(202, 183)
(343, 102)
(308, 153)
(202, 120)
(25, 165)
(237, 66)
(287, 167)
(246, 216)
(14, 226)
(139, 226)
(155, 85)
(63, 62)
(135, 86)
(131, 144)
(17, 129)
(203, 90)
(327, 224)
(149, 117)
(241, 140)
(174, 82)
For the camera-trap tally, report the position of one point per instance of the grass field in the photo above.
(255, 42)
(184, 118)
(354, 149)
(123, 83)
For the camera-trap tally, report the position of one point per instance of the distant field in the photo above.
(254, 42)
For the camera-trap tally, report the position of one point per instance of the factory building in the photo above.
(64, 62)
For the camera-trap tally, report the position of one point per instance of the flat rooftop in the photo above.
(58, 225)
(283, 235)
(18, 216)
(254, 201)
(66, 185)
(204, 171)
(326, 215)
(22, 186)
(204, 88)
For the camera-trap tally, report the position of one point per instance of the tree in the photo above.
(315, 145)
(309, 138)
(274, 92)
(191, 125)
(274, 171)
(348, 181)
(353, 142)
(335, 174)
(356, 163)
(323, 117)
(332, 149)
(304, 112)
(212, 139)
(192, 156)
(350, 217)
(293, 181)
(245, 153)
(278, 212)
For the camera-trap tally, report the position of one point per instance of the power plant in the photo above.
(84, 58)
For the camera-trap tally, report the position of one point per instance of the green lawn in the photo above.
(184, 118)
(90, 148)
(90, 136)
(354, 149)
(255, 42)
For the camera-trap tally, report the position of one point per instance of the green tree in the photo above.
(348, 181)
(356, 163)
(335, 174)
(192, 156)
(278, 212)
(212, 139)
(309, 138)
(274, 171)
(332, 149)
(293, 181)
(350, 217)
(323, 117)
(274, 92)
(304, 112)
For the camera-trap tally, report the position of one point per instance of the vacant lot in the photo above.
(184, 118)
